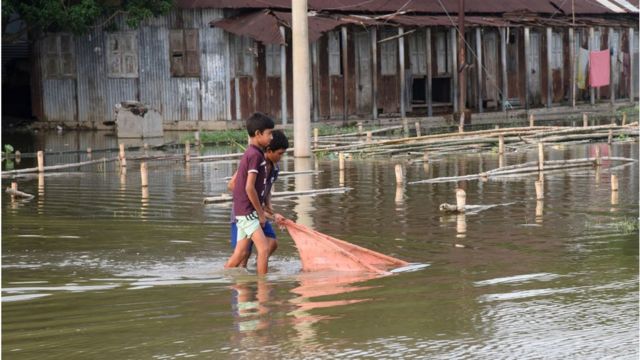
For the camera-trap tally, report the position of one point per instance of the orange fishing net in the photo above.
(322, 252)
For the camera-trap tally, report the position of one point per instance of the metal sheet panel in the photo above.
(59, 99)
(213, 63)
(154, 66)
(487, 6)
(91, 53)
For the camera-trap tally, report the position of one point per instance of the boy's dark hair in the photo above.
(278, 141)
(259, 122)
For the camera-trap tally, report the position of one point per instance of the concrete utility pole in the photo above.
(462, 82)
(301, 87)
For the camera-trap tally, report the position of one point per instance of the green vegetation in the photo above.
(627, 226)
(239, 136)
(76, 16)
(631, 111)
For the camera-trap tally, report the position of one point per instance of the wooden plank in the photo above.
(247, 104)
(345, 75)
(261, 80)
(479, 70)
(325, 81)
(374, 73)
(572, 66)
(224, 198)
(402, 74)
(352, 79)
(429, 82)
(362, 87)
(632, 67)
(527, 66)
(592, 91)
(283, 78)
(227, 75)
(315, 81)
(612, 66)
(549, 67)
(503, 62)
(453, 61)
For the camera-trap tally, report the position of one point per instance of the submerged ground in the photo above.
(95, 268)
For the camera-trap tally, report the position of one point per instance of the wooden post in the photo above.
(549, 70)
(301, 79)
(624, 119)
(187, 151)
(461, 199)
(369, 136)
(539, 190)
(429, 82)
(632, 68)
(374, 73)
(341, 160)
(40, 155)
(315, 137)
(614, 183)
(283, 77)
(425, 157)
(572, 66)
(122, 156)
(610, 137)
(196, 136)
(592, 91)
(359, 128)
(531, 120)
(14, 186)
(479, 70)
(41, 184)
(501, 144)
(144, 178)
(89, 152)
(501, 160)
(454, 67)
(540, 156)
(345, 75)
(17, 156)
(598, 159)
(403, 99)
(585, 120)
(503, 61)
(145, 146)
(461, 228)
(418, 131)
(527, 66)
(539, 210)
(399, 174)
(399, 199)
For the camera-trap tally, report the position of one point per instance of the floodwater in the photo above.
(96, 268)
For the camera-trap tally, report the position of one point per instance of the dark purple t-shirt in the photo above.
(252, 161)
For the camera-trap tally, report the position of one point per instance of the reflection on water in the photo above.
(98, 267)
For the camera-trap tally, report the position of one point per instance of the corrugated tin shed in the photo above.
(437, 6)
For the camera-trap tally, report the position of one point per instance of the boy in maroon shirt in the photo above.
(250, 186)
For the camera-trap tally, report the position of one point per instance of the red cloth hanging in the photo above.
(599, 68)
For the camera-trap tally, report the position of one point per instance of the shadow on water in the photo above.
(95, 266)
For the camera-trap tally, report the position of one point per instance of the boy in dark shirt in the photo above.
(250, 187)
(274, 152)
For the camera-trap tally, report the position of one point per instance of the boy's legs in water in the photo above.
(240, 253)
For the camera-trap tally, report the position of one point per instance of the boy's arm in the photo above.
(232, 183)
(252, 194)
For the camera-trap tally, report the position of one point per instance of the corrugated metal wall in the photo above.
(91, 96)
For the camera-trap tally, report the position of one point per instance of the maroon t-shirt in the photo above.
(252, 161)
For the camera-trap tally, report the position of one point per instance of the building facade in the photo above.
(218, 61)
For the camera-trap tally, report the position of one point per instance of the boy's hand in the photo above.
(280, 221)
(262, 218)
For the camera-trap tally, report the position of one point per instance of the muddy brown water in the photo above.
(95, 268)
